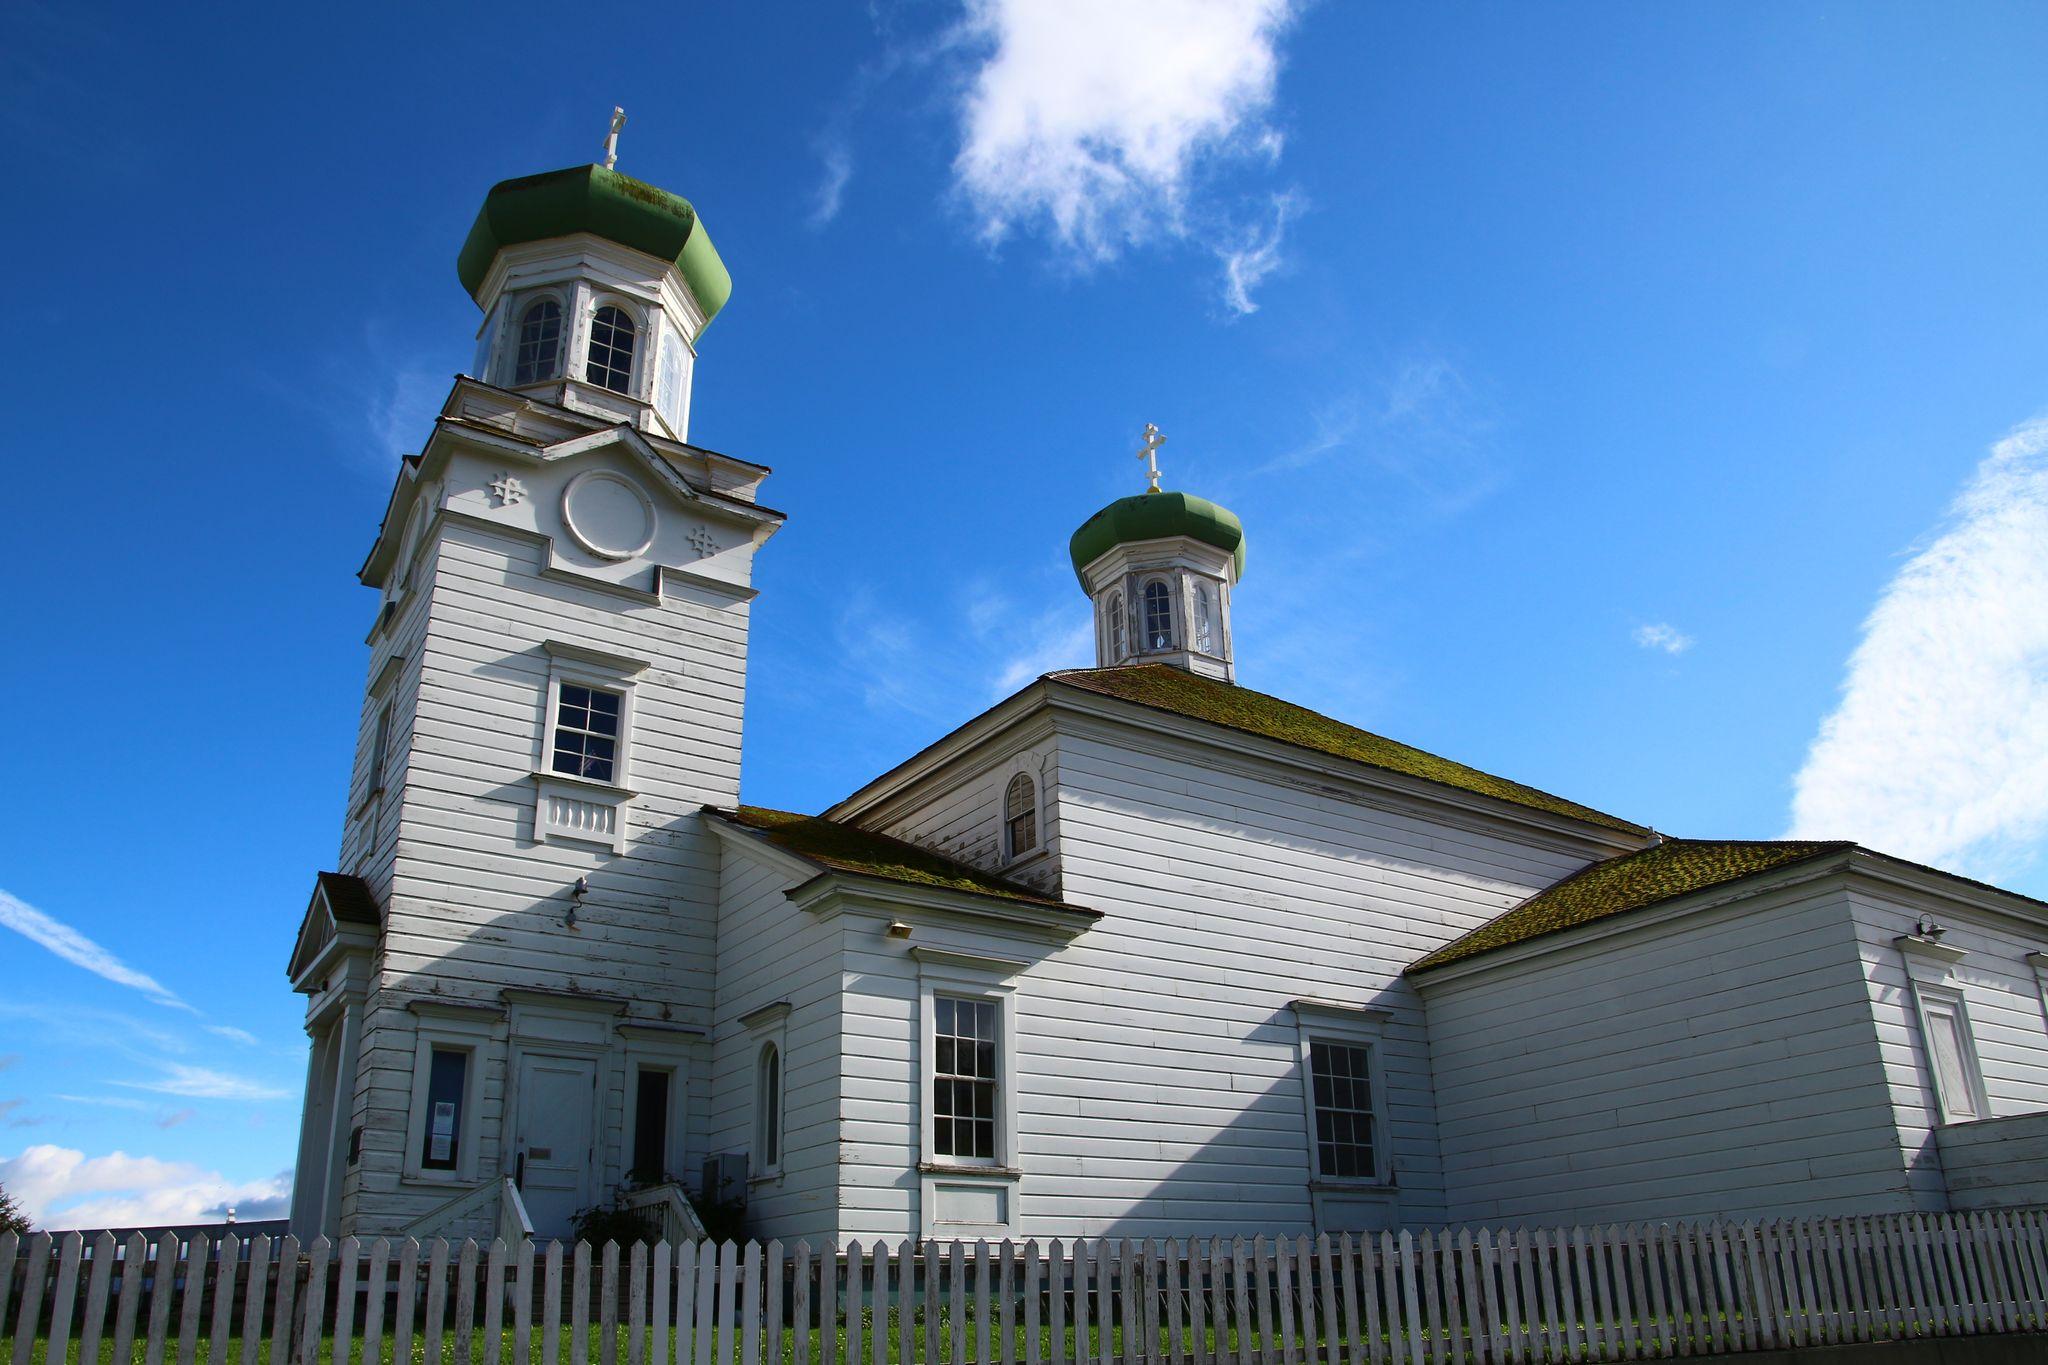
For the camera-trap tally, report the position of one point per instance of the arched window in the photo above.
(768, 1110)
(540, 343)
(611, 350)
(1158, 615)
(1114, 612)
(1020, 816)
(1205, 619)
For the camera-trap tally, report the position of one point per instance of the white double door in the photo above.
(555, 1139)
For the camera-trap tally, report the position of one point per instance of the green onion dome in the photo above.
(606, 204)
(1157, 516)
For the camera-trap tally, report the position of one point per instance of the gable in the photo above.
(341, 907)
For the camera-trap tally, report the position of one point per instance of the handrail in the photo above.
(513, 1224)
(680, 1222)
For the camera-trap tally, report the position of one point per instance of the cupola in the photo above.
(595, 289)
(1160, 568)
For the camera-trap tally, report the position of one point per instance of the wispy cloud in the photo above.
(1092, 122)
(105, 1101)
(75, 948)
(1256, 255)
(176, 1117)
(835, 159)
(1938, 748)
(1661, 636)
(203, 1083)
(61, 1187)
(233, 1034)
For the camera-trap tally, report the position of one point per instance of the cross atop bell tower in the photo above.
(1149, 452)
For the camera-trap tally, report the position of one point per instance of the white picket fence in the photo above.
(1416, 1298)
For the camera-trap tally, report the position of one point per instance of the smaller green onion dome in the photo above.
(1156, 516)
(606, 204)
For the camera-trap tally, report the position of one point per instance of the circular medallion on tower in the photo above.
(608, 515)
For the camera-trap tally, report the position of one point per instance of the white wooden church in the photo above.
(1136, 952)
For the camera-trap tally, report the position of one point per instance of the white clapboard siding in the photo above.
(1745, 1082)
(1157, 1060)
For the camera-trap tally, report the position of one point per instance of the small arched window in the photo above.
(1114, 612)
(768, 1109)
(1020, 815)
(540, 343)
(1158, 615)
(611, 350)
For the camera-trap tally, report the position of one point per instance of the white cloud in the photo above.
(104, 1101)
(202, 1083)
(1059, 639)
(836, 160)
(1093, 120)
(1938, 748)
(80, 951)
(60, 1187)
(1257, 255)
(233, 1034)
(1660, 635)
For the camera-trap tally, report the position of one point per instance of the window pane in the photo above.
(1158, 617)
(442, 1143)
(586, 732)
(964, 1079)
(611, 350)
(1341, 1090)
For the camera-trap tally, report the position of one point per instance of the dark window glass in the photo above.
(650, 1126)
(611, 350)
(587, 733)
(1343, 1100)
(964, 1079)
(443, 1138)
(769, 1104)
(540, 343)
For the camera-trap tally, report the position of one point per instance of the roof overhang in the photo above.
(341, 921)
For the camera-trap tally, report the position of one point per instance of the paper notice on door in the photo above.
(442, 1145)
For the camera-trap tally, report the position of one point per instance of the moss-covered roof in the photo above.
(843, 848)
(1674, 868)
(1165, 688)
(1157, 516)
(607, 204)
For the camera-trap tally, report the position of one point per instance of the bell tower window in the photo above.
(1158, 616)
(1113, 609)
(540, 343)
(611, 350)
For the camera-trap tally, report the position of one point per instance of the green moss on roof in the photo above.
(615, 207)
(843, 848)
(1157, 516)
(1172, 689)
(1674, 868)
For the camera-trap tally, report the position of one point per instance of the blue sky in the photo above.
(1636, 400)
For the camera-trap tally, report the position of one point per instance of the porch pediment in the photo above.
(340, 917)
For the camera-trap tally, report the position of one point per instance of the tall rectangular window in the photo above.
(587, 732)
(380, 747)
(650, 1125)
(446, 1081)
(1955, 1070)
(964, 1079)
(1341, 1077)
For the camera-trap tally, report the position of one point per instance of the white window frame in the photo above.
(1349, 1026)
(601, 808)
(767, 1027)
(1175, 627)
(451, 1028)
(1938, 996)
(659, 1047)
(643, 344)
(508, 370)
(1011, 853)
(974, 977)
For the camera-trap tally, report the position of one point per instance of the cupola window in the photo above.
(540, 343)
(1205, 619)
(1158, 616)
(1020, 816)
(611, 350)
(1114, 611)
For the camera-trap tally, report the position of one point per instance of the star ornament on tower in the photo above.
(1149, 453)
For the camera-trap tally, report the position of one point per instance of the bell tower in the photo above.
(1160, 568)
(596, 289)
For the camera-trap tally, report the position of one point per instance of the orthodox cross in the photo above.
(1149, 453)
(611, 139)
